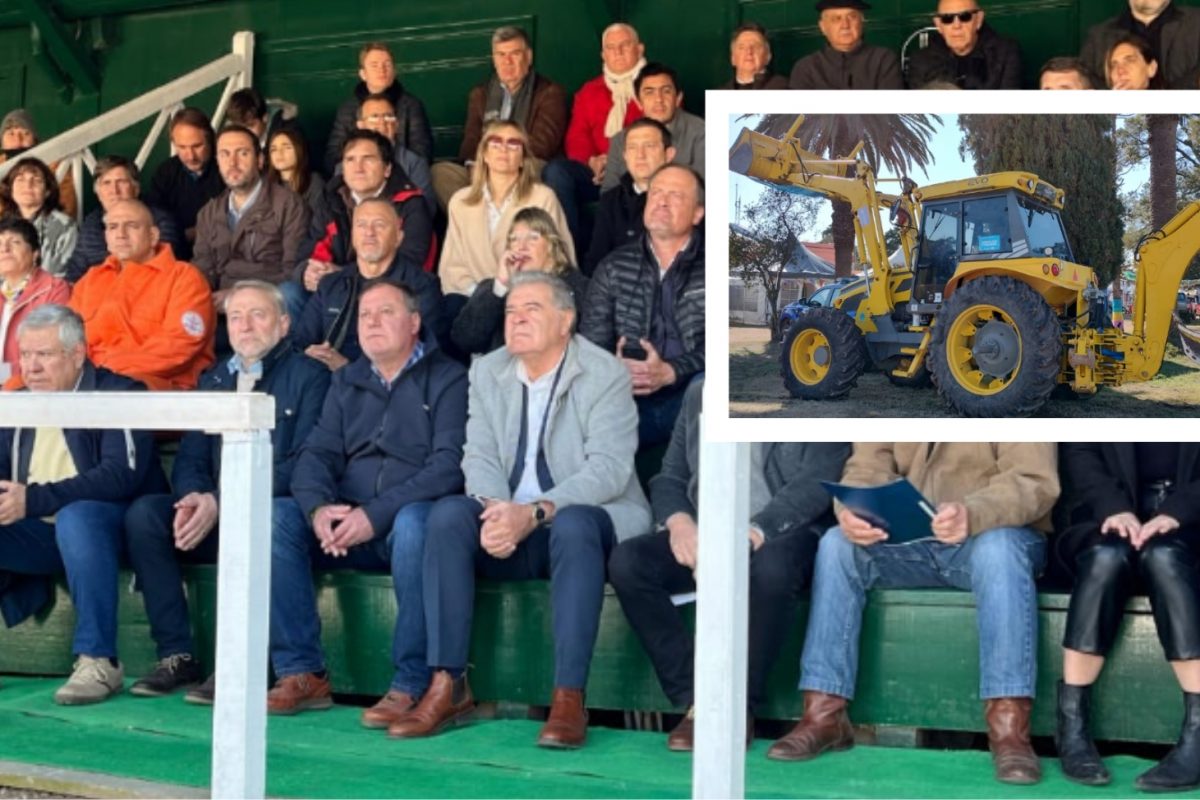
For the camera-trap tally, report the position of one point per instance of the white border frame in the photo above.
(720, 105)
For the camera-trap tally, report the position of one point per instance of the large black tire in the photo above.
(823, 355)
(996, 349)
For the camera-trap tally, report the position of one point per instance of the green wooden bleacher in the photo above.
(919, 665)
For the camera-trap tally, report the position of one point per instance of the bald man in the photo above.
(148, 315)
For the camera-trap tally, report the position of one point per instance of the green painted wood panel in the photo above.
(306, 49)
(919, 662)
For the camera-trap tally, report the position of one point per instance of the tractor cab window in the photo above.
(1045, 230)
(985, 227)
(938, 256)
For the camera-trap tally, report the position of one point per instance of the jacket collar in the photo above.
(162, 259)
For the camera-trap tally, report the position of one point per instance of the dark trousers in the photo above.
(572, 184)
(571, 552)
(645, 574)
(657, 413)
(150, 542)
(1108, 570)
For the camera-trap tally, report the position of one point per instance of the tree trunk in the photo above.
(843, 239)
(1162, 129)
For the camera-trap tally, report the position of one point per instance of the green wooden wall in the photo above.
(306, 49)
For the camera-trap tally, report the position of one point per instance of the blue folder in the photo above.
(895, 507)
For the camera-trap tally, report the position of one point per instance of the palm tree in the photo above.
(897, 141)
(1161, 131)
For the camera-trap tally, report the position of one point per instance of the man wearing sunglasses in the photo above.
(846, 62)
(1172, 30)
(969, 54)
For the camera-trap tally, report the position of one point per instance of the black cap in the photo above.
(859, 4)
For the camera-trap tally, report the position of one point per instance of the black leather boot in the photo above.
(1180, 769)
(1076, 750)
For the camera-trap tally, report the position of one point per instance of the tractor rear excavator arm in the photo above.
(1162, 257)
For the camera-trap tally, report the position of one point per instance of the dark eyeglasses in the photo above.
(961, 16)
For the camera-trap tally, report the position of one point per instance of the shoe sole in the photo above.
(197, 701)
(84, 701)
(145, 691)
(837, 748)
(1104, 781)
(318, 704)
(1164, 789)
(464, 717)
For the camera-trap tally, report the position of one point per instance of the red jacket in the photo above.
(42, 288)
(153, 322)
(585, 135)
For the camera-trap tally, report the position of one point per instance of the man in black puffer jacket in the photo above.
(967, 52)
(646, 301)
(63, 495)
(162, 530)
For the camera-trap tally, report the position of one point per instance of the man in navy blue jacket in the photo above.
(63, 501)
(388, 443)
(162, 529)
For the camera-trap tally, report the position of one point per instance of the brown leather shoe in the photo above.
(1008, 739)
(390, 708)
(681, 739)
(824, 726)
(446, 702)
(302, 692)
(566, 727)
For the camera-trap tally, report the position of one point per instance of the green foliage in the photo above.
(1076, 153)
(775, 222)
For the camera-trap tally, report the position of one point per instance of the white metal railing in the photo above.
(244, 566)
(722, 614)
(73, 149)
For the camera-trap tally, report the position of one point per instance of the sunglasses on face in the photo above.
(499, 143)
(961, 16)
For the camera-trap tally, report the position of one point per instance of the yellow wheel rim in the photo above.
(810, 357)
(983, 349)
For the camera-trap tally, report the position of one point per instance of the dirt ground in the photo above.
(756, 390)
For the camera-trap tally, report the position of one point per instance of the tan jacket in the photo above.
(470, 255)
(1002, 484)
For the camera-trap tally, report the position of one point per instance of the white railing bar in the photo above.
(152, 138)
(157, 411)
(134, 111)
(244, 563)
(722, 608)
(218, 117)
(89, 160)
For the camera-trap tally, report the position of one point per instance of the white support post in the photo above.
(719, 762)
(243, 47)
(239, 759)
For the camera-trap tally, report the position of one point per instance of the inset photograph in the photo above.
(964, 265)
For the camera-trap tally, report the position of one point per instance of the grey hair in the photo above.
(269, 289)
(508, 33)
(51, 315)
(561, 294)
(620, 26)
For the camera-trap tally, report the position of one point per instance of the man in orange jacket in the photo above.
(148, 316)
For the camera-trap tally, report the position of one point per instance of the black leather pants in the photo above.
(1108, 569)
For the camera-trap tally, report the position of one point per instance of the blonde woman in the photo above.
(480, 215)
(534, 244)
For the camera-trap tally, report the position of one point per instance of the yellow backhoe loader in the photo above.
(987, 299)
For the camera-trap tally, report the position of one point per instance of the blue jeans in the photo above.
(572, 551)
(295, 298)
(998, 566)
(89, 545)
(295, 626)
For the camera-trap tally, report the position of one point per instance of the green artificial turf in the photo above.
(327, 754)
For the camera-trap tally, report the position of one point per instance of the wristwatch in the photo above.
(540, 517)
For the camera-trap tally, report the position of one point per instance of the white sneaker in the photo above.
(93, 681)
